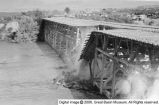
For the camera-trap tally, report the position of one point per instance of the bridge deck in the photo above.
(138, 35)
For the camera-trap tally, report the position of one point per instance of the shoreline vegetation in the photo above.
(29, 22)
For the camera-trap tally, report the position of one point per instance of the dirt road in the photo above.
(26, 73)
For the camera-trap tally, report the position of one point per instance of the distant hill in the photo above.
(8, 14)
(148, 6)
(151, 11)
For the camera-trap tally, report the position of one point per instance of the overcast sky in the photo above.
(20, 5)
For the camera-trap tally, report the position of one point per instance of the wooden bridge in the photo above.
(120, 47)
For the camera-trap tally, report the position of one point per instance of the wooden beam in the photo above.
(114, 77)
(66, 46)
(77, 37)
(114, 68)
(95, 56)
(91, 72)
(103, 64)
(112, 57)
(134, 54)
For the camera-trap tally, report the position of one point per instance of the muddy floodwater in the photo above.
(26, 73)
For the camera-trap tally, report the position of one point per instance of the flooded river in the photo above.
(26, 73)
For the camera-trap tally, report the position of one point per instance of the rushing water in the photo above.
(26, 72)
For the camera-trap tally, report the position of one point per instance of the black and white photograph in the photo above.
(64, 52)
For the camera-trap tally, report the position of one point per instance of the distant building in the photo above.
(139, 17)
(142, 17)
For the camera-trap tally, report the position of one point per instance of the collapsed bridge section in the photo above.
(68, 35)
(113, 54)
(112, 50)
